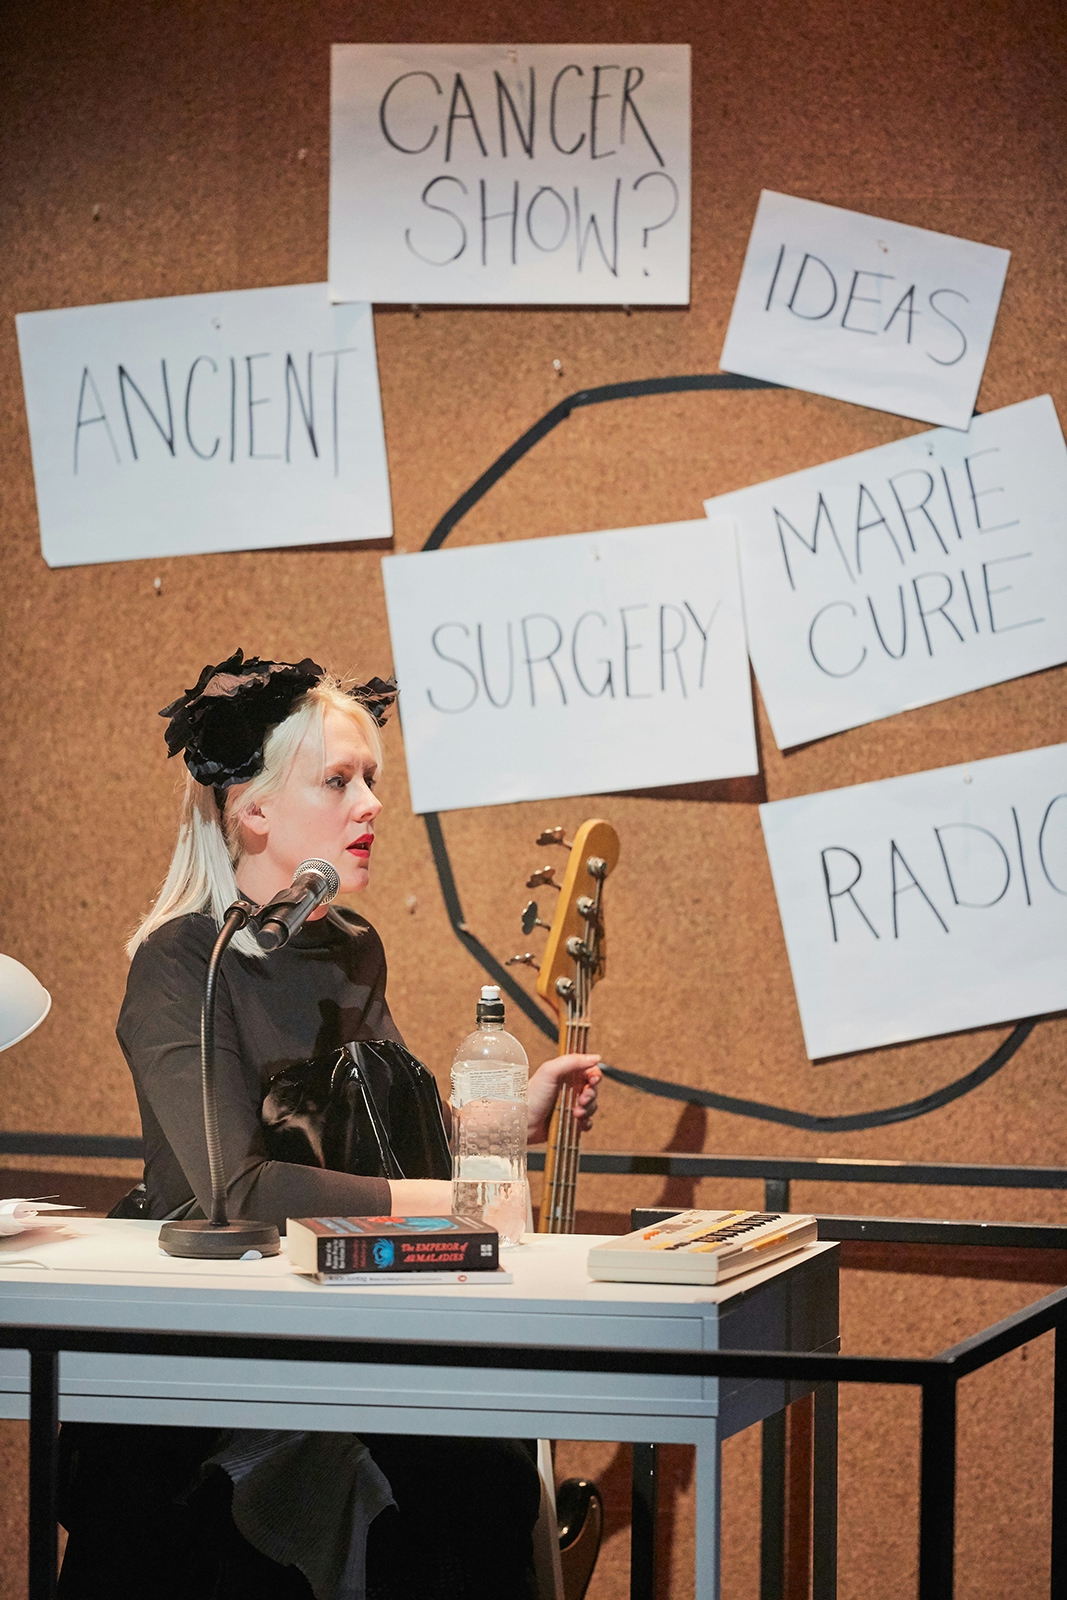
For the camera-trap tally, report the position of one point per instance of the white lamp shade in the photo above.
(24, 1003)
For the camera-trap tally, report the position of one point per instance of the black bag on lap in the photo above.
(369, 1108)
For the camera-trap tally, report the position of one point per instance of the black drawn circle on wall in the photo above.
(663, 1089)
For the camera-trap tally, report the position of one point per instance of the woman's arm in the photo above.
(412, 1197)
(159, 1030)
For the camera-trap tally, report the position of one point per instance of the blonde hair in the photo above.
(202, 875)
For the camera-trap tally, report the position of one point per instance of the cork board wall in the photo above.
(170, 148)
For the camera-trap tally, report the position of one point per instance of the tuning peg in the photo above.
(530, 918)
(526, 960)
(553, 836)
(543, 877)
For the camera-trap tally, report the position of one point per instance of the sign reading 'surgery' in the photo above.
(524, 174)
(925, 904)
(861, 309)
(906, 574)
(232, 421)
(572, 665)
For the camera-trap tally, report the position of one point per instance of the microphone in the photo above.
(313, 882)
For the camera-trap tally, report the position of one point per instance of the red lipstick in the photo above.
(361, 846)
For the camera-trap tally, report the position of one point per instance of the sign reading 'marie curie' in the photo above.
(906, 574)
(495, 174)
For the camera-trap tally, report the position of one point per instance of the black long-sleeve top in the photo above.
(322, 989)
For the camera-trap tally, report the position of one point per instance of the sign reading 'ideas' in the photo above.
(536, 174)
(906, 574)
(862, 309)
(575, 665)
(232, 421)
(925, 904)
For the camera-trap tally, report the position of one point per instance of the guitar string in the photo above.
(577, 1035)
(565, 1216)
(563, 1185)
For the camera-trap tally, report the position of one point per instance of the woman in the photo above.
(282, 765)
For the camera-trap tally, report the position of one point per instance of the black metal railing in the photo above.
(778, 1173)
(937, 1378)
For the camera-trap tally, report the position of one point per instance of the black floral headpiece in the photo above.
(223, 721)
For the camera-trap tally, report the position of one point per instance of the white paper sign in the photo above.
(906, 574)
(925, 904)
(233, 421)
(861, 309)
(575, 665)
(526, 174)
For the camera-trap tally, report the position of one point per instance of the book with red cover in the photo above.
(333, 1246)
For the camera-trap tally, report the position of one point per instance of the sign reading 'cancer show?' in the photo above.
(529, 174)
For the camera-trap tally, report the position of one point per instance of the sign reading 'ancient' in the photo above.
(588, 663)
(925, 904)
(204, 422)
(906, 574)
(488, 174)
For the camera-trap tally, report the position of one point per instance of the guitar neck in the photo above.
(557, 1210)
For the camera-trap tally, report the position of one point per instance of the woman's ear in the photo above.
(252, 819)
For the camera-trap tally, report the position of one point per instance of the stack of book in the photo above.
(702, 1247)
(394, 1249)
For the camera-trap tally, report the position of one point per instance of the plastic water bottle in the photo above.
(490, 1072)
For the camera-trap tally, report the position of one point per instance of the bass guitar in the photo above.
(573, 962)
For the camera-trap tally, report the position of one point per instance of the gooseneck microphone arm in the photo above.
(217, 1237)
(236, 918)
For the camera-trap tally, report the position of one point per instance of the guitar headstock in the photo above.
(575, 953)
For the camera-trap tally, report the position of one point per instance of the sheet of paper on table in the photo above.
(22, 1216)
(581, 664)
(906, 574)
(863, 309)
(925, 904)
(235, 421)
(524, 174)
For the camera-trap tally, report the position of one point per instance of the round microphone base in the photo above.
(206, 1242)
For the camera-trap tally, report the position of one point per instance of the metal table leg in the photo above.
(824, 1492)
(645, 1495)
(772, 1507)
(44, 1472)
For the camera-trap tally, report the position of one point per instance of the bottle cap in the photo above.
(490, 1006)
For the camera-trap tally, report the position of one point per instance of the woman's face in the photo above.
(326, 811)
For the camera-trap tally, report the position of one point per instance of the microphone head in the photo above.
(326, 870)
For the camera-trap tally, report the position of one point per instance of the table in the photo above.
(110, 1274)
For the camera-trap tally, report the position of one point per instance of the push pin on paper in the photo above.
(157, 585)
(558, 364)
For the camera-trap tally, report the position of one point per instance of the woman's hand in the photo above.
(582, 1072)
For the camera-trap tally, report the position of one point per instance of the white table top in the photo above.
(107, 1273)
